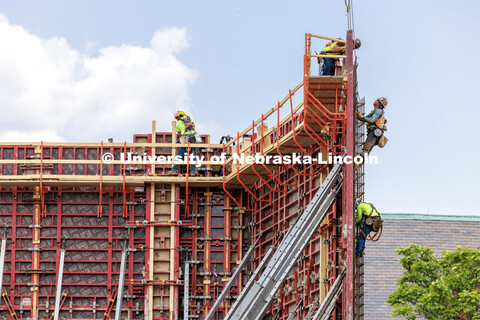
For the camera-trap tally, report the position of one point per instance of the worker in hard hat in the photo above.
(368, 219)
(327, 65)
(375, 125)
(186, 132)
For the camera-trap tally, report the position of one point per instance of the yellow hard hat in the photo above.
(179, 114)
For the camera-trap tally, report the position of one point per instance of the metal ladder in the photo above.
(359, 185)
(257, 296)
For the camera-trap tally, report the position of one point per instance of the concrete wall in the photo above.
(382, 268)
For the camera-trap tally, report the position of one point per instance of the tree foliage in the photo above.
(446, 288)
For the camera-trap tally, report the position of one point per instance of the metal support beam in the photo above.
(185, 297)
(232, 280)
(121, 280)
(257, 271)
(330, 300)
(255, 299)
(58, 295)
(348, 219)
(311, 311)
(2, 261)
(293, 314)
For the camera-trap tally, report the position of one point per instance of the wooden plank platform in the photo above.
(50, 180)
(287, 146)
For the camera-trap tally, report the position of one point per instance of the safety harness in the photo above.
(189, 125)
(379, 123)
(375, 222)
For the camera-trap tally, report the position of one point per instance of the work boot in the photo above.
(195, 174)
(173, 173)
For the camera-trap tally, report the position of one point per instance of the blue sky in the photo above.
(234, 59)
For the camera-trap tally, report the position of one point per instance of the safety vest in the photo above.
(189, 125)
(365, 210)
(330, 46)
(380, 123)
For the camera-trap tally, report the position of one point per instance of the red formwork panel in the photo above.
(278, 195)
(211, 241)
(69, 219)
(212, 238)
(271, 220)
(207, 228)
(207, 235)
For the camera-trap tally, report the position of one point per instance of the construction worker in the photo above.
(327, 65)
(367, 216)
(225, 139)
(375, 124)
(186, 132)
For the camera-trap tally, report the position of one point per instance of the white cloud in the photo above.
(52, 91)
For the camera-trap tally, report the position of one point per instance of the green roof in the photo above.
(416, 216)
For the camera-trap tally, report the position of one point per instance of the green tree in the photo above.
(446, 288)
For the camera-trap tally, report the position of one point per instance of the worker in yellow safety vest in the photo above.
(327, 65)
(375, 125)
(369, 220)
(186, 132)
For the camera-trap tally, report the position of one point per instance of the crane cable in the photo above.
(350, 18)
(351, 26)
(348, 7)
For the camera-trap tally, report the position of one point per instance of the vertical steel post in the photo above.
(121, 280)
(13, 244)
(185, 297)
(175, 235)
(58, 296)
(149, 255)
(348, 226)
(2, 261)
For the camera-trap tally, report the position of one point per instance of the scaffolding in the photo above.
(89, 236)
